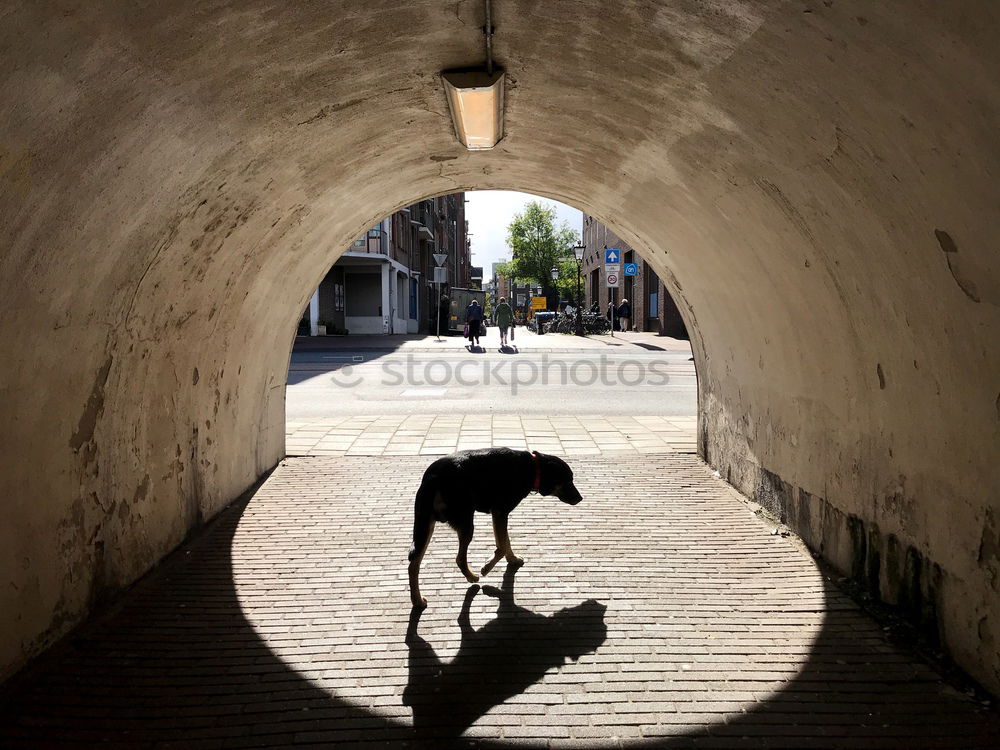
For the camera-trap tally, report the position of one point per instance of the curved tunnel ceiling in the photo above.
(814, 181)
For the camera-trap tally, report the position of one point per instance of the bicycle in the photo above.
(596, 323)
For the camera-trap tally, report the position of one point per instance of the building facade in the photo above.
(384, 282)
(653, 309)
(501, 284)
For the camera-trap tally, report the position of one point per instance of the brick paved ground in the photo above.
(427, 435)
(659, 612)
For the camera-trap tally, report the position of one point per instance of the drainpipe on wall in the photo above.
(386, 298)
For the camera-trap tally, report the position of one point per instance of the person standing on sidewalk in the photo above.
(503, 316)
(625, 314)
(474, 317)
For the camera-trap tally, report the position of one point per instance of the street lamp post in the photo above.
(555, 287)
(578, 252)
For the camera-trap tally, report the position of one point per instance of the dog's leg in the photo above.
(489, 566)
(501, 526)
(464, 539)
(422, 531)
(499, 551)
(503, 544)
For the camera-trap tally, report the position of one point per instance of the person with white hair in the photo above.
(625, 314)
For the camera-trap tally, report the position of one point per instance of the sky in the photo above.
(490, 211)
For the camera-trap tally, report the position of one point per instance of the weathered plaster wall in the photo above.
(815, 181)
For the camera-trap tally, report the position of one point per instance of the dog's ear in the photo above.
(547, 472)
(557, 470)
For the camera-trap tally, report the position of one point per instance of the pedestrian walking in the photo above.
(474, 317)
(503, 317)
(625, 314)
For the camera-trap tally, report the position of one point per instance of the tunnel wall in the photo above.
(814, 181)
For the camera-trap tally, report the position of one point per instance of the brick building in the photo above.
(652, 307)
(382, 282)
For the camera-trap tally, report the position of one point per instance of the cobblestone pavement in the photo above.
(428, 435)
(659, 612)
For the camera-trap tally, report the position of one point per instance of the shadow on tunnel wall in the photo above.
(176, 664)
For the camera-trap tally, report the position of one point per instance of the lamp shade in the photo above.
(476, 102)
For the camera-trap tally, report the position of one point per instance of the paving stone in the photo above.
(286, 623)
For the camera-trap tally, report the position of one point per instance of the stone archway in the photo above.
(812, 180)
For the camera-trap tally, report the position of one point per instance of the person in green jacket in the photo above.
(503, 316)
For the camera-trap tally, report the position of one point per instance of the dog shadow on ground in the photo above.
(496, 662)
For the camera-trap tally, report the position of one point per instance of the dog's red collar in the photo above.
(538, 472)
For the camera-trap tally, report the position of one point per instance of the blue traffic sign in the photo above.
(611, 254)
(631, 269)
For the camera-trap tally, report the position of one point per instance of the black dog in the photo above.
(492, 480)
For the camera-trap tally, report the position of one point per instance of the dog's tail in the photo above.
(423, 518)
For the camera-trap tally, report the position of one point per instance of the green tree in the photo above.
(537, 245)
